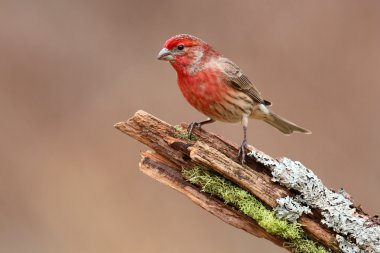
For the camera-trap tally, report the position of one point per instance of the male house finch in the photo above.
(217, 87)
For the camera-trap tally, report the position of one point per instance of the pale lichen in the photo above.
(232, 194)
(290, 209)
(336, 209)
(346, 246)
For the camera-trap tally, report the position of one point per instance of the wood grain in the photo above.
(215, 153)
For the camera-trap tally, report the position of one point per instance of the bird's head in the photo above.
(185, 51)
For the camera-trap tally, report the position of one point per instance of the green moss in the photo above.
(232, 194)
(180, 133)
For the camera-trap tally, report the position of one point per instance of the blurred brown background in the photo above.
(69, 70)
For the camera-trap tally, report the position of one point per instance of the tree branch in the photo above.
(175, 152)
(159, 168)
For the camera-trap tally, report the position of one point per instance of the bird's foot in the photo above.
(191, 127)
(242, 151)
(197, 125)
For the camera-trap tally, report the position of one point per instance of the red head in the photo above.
(186, 51)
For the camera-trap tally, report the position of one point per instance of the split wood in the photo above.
(172, 154)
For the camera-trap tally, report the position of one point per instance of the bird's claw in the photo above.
(191, 127)
(242, 151)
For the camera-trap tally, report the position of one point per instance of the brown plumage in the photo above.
(217, 87)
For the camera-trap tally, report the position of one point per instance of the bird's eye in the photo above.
(180, 47)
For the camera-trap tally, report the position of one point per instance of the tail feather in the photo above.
(284, 125)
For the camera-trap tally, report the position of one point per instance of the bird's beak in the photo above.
(165, 55)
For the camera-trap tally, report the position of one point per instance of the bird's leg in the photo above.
(198, 124)
(243, 146)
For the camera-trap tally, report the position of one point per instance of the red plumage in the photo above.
(216, 86)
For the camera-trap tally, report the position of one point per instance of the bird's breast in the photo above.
(209, 93)
(201, 89)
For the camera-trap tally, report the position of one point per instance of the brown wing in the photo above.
(237, 80)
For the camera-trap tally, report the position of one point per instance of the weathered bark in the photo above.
(161, 169)
(213, 152)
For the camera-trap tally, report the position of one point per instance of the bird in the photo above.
(218, 88)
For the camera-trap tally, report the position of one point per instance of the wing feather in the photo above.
(237, 80)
